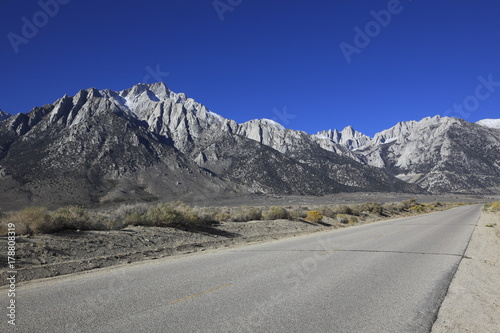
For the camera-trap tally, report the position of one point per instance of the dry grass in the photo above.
(492, 207)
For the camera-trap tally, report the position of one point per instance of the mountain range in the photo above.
(440, 154)
(149, 143)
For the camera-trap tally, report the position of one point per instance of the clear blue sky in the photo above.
(263, 55)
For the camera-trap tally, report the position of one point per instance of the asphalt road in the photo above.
(383, 277)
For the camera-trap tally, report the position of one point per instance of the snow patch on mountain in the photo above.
(491, 123)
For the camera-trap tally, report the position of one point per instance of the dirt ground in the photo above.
(473, 300)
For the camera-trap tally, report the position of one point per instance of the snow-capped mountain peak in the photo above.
(491, 123)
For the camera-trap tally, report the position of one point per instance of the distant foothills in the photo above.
(148, 143)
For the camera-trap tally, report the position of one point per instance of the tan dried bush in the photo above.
(275, 213)
(297, 214)
(353, 219)
(73, 218)
(344, 209)
(29, 220)
(222, 216)
(245, 214)
(342, 218)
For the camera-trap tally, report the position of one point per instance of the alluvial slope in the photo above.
(148, 143)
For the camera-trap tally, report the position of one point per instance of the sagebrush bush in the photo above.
(207, 215)
(30, 220)
(222, 216)
(417, 209)
(394, 208)
(131, 219)
(314, 216)
(327, 211)
(38, 220)
(244, 214)
(162, 215)
(129, 212)
(109, 224)
(297, 214)
(353, 219)
(409, 203)
(71, 218)
(342, 218)
(492, 206)
(177, 214)
(344, 209)
(275, 213)
(368, 207)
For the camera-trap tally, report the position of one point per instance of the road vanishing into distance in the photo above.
(387, 276)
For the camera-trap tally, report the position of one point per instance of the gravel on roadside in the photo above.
(472, 303)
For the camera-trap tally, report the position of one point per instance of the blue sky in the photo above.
(271, 59)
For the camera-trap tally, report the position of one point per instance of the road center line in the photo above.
(326, 252)
(198, 294)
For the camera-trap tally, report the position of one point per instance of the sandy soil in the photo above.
(473, 300)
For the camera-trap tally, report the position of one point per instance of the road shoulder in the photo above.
(472, 303)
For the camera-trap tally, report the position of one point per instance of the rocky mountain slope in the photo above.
(439, 154)
(348, 137)
(149, 143)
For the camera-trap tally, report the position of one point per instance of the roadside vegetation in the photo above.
(39, 220)
(492, 207)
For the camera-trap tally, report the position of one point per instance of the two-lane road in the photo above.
(382, 277)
